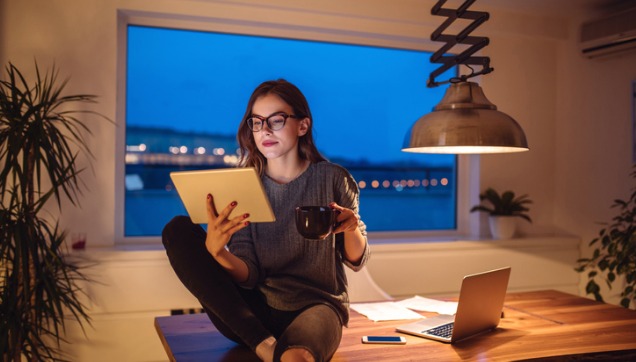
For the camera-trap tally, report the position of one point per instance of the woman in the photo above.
(263, 285)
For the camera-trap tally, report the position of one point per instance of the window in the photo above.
(186, 92)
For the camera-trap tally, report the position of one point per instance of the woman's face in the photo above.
(282, 143)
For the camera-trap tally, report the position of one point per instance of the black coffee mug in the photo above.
(315, 222)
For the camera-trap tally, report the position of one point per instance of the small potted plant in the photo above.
(503, 210)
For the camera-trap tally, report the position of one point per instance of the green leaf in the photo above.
(593, 288)
(625, 302)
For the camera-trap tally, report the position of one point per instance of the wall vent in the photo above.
(609, 35)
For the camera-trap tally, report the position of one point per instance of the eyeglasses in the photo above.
(274, 122)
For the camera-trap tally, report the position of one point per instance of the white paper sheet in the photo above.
(385, 311)
(429, 305)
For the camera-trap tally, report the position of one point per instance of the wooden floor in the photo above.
(535, 325)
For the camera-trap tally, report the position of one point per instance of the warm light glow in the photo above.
(136, 148)
(464, 149)
(230, 159)
(131, 158)
(218, 151)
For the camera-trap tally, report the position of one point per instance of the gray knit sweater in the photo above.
(290, 271)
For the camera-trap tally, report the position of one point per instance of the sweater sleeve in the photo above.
(242, 246)
(348, 195)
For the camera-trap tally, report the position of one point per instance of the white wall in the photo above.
(576, 112)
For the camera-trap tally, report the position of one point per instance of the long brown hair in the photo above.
(250, 156)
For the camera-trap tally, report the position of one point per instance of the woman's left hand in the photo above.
(347, 220)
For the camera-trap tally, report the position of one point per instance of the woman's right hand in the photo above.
(220, 228)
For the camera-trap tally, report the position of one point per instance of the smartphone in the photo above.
(384, 339)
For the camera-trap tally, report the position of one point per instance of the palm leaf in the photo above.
(42, 135)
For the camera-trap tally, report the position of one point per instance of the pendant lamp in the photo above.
(465, 121)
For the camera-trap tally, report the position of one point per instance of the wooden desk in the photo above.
(536, 325)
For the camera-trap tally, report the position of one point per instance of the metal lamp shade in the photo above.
(465, 122)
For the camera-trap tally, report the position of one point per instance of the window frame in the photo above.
(467, 165)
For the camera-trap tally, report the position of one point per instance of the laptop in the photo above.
(242, 185)
(479, 309)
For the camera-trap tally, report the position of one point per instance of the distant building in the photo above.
(152, 153)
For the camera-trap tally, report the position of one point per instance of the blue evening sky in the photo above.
(363, 99)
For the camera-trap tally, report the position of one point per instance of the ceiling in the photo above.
(560, 7)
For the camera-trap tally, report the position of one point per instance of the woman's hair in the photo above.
(250, 156)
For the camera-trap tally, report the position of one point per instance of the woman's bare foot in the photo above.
(265, 349)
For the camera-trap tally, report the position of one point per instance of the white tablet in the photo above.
(242, 185)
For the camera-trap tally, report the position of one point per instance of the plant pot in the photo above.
(502, 227)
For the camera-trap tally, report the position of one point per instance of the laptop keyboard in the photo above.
(444, 331)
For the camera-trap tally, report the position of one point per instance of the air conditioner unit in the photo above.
(610, 35)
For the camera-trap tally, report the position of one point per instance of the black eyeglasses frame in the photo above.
(268, 122)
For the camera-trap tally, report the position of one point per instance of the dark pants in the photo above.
(242, 314)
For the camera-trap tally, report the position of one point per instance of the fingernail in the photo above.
(209, 196)
(233, 203)
(247, 223)
(245, 216)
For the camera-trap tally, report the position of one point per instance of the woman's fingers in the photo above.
(213, 215)
(209, 205)
(235, 224)
(347, 219)
(221, 222)
(220, 228)
(225, 213)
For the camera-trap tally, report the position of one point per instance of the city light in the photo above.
(136, 148)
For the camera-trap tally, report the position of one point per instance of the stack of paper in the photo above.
(404, 309)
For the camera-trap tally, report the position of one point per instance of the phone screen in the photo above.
(383, 339)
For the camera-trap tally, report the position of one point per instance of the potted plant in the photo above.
(41, 138)
(615, 253)
(503, 210)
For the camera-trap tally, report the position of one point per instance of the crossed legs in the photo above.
(312, 334)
